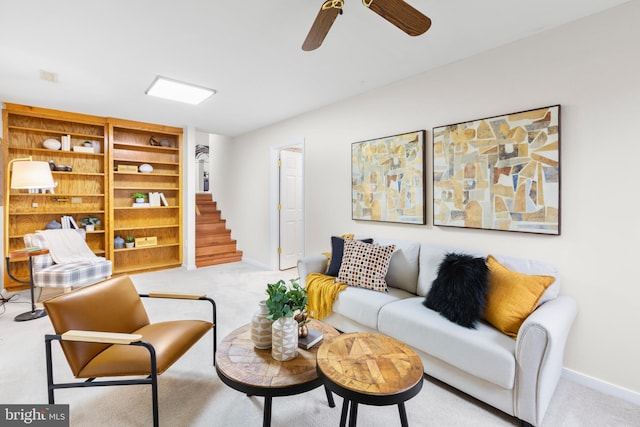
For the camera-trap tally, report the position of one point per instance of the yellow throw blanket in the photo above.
(322, 291)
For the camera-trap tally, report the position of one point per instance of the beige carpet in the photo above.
(192, 395)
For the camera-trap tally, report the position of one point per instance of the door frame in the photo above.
(275, 197)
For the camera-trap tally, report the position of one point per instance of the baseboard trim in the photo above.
(256, 263)
(602, 386)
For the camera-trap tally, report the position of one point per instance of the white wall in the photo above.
(591, 68)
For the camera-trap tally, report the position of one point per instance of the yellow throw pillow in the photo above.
(512, 296)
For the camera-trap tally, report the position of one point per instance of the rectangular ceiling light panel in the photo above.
(163, 87)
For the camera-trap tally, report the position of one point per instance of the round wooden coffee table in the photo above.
(253, 371)
(372, 369)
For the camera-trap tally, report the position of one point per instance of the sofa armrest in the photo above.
(311, 264)
(539, 356)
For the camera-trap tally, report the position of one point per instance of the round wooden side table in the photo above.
(253, 371)
(372, 369)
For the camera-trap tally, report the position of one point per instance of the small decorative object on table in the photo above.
(283, 304)
(261, 327)
(302, 320)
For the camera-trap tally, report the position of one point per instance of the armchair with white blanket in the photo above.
(70, 262)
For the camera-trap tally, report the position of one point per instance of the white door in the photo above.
(290, 207)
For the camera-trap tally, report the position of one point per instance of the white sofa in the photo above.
(517, 376)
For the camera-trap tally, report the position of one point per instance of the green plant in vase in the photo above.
(90, 223)
(283, 304)
(283, 301)
(139, 197)
(288, 302)
(129, 241)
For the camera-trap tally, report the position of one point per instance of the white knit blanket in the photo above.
(67, 246)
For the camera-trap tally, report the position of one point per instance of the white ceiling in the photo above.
(107, 52)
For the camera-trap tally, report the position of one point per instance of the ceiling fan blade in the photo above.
(400, 14)
(323, 22)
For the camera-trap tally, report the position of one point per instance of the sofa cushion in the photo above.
(363, 305)
(38, 240)
(459, 291)
(512, 296)
(404, 266)
(430, 259)
(537, 267)
(337, 251)
(365, 265)
(431, 256)
(483, 352)
(76, 274)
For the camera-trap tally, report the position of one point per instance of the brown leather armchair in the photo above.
(104, 331)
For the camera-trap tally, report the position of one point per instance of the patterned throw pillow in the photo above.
(337, 252)
(365, 264)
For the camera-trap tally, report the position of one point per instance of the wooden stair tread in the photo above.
(214, 244)
(218, 259)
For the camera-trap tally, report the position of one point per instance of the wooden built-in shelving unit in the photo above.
(95, 187)
(130, 145)
(79, 193)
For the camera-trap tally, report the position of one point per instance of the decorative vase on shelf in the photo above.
(118, 242)
(261, 327)
(284, 339)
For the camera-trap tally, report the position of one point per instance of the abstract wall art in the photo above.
(499, 173)
(387, 179)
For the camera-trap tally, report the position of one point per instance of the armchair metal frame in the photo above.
(119, 339)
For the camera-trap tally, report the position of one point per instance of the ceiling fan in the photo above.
(398, 12)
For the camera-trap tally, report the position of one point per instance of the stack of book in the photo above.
(155, 199)
(65, 143)
(67, 221)
(312, 338)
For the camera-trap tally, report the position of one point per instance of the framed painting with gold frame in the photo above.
(499, 173)
(387, 179)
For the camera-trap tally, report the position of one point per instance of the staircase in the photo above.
(213, 241)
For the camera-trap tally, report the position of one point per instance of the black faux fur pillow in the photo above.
(459, 292)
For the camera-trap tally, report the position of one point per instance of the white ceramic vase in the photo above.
(284, 339)
(261, 327)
